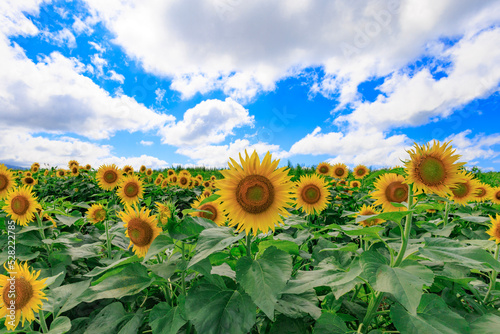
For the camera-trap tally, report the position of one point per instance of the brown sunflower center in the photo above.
(74, 170)
(110, 176)
(339, 171)
(3, 182)
(355, 184)
(20, 205)
(481, 192)
(396, 192)
(213, 212)
(255, 193)
(21, 292)
(323, 169)
(29, 180)
(497, 195)
(310, 194)
(183, 181)
(497, 232)
(461, 190)
(139, 232)
(131, 189)
(360, 172)
(100, 214)
(432, 171)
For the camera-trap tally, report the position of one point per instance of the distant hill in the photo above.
(13, 167)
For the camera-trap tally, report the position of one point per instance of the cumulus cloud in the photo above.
(477, 147)
(244, 48)
(146, 143)
(209, 122)
(63, 37)
(218, 155)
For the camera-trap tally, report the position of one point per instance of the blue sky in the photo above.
(195, 82)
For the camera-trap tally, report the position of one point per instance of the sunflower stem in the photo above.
(108, 240)
(249, 246)
(446, 210)
(407, 229)
(43, 324)
(372, 309)
(42, 232)
(183, 278)
(493, 278)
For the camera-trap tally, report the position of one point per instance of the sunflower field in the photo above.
(255, 248)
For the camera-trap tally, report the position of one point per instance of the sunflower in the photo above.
(34, 168)
(29, 181)
(96, 213)
(149, 172)
(255, 195)
(158, 180)
(214, 213)
(311, 194)
(494, 230)
(367, 210)
(183, 181)
(495, 195)
(324, 168)
(213, 178)
(61, 173)
(127, 169)
(207, 184)
(75, 171)
(185, 172)
(199, 178)
(46, 172)
(45, 217)
(463, 192)
(108, 176)
(88, 167)
(22, 295)
(360, 171)
(72, 163)
(390, 188)
(433, 169)
(164, 212)
(21, 205)
(342, 183)
(340, 171)
(170, 172)
(355, 184)
(28, 174)
(140, 227)
(6, 181)
(142, 169)
(164, 183)
(483, 192)
(130, 189)
(206, 192)
(173, 179)
(35, 164)
(196, 182)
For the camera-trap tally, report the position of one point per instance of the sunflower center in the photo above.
(310, 194)
(131, 189)
(323, 169)
(183, 181)
(461, 190)
(100, 214)
(360, 172)
(22, 291)
(74, 170)
(396, 192)
(481, 192)
(3, 182)
(432, 171)
(497, 232)
(19, 205)
(110, 176)
(255, 193)
(29, 180)
(213, 212)
(497, 195)
(139, 232)
(339, 171)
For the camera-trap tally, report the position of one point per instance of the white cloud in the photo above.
(477, 147)
(209, 122)
(146, 143)
(218, 155)
(83, 26)
(244, 48)
(12, 19)
(369, 147)
(63, 37)
(160, 94)
(98, 47)
(116, 77)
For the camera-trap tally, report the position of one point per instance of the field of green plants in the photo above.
(251, 249)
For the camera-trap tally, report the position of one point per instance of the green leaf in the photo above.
(60, 326)
(84, 251)
(404, 283)
(486, 324)
(67, 220)
(433, 316)
(167, 268)
(265, 278)
(159, 244)
(214, 309)
(131, 280)
(298, 306)
(286, 325)
(132, 326)
(446, 250)
(395, 216)
(165, 319)
(188, 227)
(64, 298)
(329, 323)
(213, 240)
(224, 270)
(371, 230)
(285, 245)
(108, 319)
(99, 270)
(325, 275)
